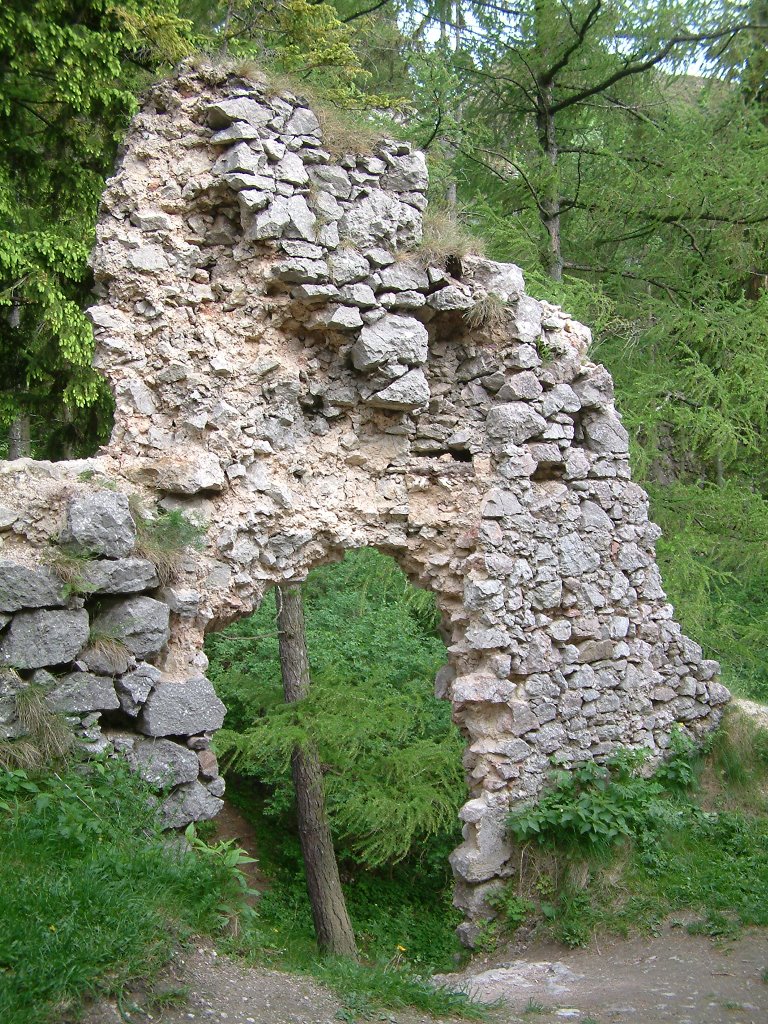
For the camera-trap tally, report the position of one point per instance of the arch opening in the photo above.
(391, 756)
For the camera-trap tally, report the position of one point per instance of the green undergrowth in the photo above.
(94, 895)
(609, 850)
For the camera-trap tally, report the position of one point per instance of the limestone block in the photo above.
(121, 576)
(514, 422)
(180, 709)
(163, 763)
(407, 392)
(402, 277)
(347, 266)
(240, 158)
(336, 317)
(286, 216)
(139, 623)
(225, 112)
(451, 298)
(605, 433)
(332, 179)
(502, 279)
(38, 638)
(406, 173)
(189, 802)
(391, 339)
(133, 688)
(23, 586)
(78, 692)
(302, 122)
(100, 523)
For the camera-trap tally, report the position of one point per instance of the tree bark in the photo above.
(19, 443)
(329, 910)
(550, 202)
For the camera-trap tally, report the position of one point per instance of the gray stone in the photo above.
(360, 295)
(181, 709)
(225, 112)
(380, 220)
(335, 317)
(24, 586)
(190, 802)
(240, 131)
(502, 279)
(7, 517)
(288, 216)
(240, 158)
(133, 688)
(100, 523)
(302, 122)
(605, 434)
(122, 576)
(524, 385)
(391, 339)
(526, 321)
(407, 392)
(514, 422)
(347, 266)
(190, 472)
(332, 179)
(38, 638)
(454, 297)
(82, 691)
(139, 623)
(300, 270)
(406, 173)
(315, 294)
(291, 169)
(163, 763)
(403, 277)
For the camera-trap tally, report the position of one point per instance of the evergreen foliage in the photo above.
(373, 657)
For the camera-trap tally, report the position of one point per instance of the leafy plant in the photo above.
(95, 895)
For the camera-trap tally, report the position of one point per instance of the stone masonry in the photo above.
(293, 373)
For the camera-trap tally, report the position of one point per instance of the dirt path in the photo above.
(674, 978)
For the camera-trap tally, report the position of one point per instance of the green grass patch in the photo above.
(94, 895)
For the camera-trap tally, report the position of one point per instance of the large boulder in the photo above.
(38, 638)
(391, 339)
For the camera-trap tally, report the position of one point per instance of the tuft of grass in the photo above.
(490, 312)
(164, 537)
(109, 644)
(67, 564)
(534, 1006)
(735, 772)
(445, 237)
(47, 736)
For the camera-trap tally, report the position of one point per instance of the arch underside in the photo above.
(292, 371)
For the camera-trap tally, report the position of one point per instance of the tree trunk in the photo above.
(549, 202)
(329, 911)
(19, 443)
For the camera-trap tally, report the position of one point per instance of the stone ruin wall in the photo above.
(292, 372)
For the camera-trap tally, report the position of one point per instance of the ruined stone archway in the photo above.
(290, 368)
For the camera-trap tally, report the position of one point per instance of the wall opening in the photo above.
(391, 756)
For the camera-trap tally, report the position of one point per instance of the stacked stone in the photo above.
(289, 368)
(111, 693)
